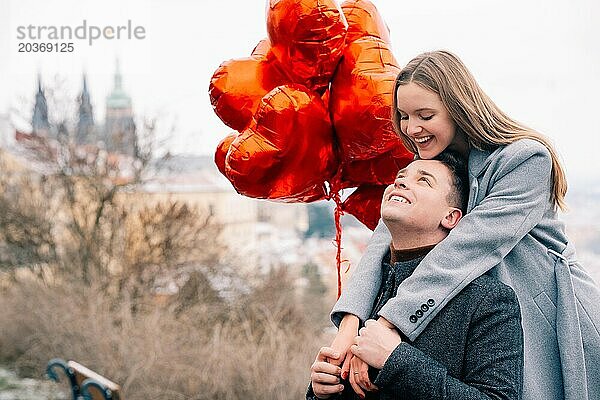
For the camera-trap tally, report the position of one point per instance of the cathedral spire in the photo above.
(120, 136)
(85, 124)
(117, 97)
(118, 77)
(39, 120)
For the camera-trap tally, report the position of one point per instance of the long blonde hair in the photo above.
(485, 125)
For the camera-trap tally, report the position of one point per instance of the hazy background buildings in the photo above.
(539, 62)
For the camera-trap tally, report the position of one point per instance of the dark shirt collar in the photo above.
(408, 254)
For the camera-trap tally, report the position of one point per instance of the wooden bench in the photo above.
(85, 383)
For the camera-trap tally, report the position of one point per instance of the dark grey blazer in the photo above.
(473, 348)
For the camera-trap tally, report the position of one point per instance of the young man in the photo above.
(473, 349)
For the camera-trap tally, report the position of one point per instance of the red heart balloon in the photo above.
(365, 204)
(361, 100)
(222, 149)
(262, 49)
(364, 20)
(307, 37)
(381, 170)
(287, 152)
(237, 85)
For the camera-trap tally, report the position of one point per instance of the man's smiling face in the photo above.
(418, 199)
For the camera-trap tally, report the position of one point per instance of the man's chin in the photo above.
(391, 218)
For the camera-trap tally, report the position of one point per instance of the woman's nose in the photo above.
(413, 127)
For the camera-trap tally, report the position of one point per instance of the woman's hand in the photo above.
(324, 376)
(359, 376)
(343, 340)
(375, 343)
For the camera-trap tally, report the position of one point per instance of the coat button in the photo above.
(413, 319)
(424, 307)
(431, 302)
(419, 313)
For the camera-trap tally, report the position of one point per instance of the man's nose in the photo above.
(400, 183)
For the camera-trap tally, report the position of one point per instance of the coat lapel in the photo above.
(479, 160)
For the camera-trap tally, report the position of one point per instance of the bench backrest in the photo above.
(82, 373)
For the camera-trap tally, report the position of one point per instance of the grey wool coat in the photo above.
(511, 231)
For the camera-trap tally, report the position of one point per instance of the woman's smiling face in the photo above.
(426, 121)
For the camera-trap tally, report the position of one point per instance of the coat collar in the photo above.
(479, 160)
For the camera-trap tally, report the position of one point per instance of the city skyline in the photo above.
(539, 65)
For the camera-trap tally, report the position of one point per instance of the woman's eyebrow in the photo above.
(418, 109)
(401, 172)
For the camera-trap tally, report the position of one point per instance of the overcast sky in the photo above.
(538, 60)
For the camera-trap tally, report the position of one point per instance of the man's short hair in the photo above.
(459, 196)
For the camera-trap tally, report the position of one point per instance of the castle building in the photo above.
(118, 135)
(119, 127)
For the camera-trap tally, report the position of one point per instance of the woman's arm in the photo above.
(359, 292)
(357, 298)
(517, 197)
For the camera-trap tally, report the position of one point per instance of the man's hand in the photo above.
(386, 323)
(324, 376)
(375, 343)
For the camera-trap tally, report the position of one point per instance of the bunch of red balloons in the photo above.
(311, 108)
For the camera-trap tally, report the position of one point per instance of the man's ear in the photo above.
(451, 219)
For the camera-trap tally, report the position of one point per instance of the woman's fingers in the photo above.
(362, 378)
(346, 366)
(354, 372)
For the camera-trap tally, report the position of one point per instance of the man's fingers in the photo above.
(325, 367)
(354, 350)
(386, 323)
(369, 322)
(324, 378)
(320, 389)
(327, 352)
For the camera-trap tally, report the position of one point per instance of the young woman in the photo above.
(511, 231)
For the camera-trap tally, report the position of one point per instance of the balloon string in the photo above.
(338, 239)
